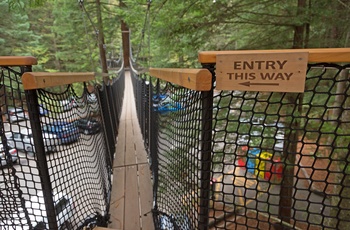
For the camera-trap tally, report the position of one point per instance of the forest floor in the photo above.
(314, 173)
(317, 169)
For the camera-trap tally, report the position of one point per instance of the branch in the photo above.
(342, 3)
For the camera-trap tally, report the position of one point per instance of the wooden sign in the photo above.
(272, 72)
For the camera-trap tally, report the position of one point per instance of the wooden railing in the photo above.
(332, 55)
(18, 61)
(195, 79)
(37, 80)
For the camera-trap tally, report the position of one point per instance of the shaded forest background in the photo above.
(63, 34)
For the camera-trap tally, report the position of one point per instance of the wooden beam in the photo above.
(131, 208)
(17, 60)
(329, 55)
(195, 79)
(38, 80)
(117, 205)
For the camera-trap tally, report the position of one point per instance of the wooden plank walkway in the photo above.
(131, 199)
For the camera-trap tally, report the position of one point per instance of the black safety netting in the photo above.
(259, 160)
(57, 155)
(171, 131)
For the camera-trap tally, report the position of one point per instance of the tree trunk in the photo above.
(299, 30)
(290, 150)
(289, 155)
(125, 39)
(341, 180)
(307, 28)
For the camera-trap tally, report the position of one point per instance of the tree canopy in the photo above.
(62, 34)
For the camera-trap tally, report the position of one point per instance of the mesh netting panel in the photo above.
(63, 178)
(278, 160)
(79, 168)
(170, 122)
(178, 153)
(16, 175)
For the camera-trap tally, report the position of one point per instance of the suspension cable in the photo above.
(144, 27)
(81, 3)
(149, 34)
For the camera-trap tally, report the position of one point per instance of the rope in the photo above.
(149, 36)
(81, 3)
(144, 27)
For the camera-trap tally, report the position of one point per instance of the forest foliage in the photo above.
(62, 34)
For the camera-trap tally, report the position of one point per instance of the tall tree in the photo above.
(16, 38)
(300, 27)
(125, 38)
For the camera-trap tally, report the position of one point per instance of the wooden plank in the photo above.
(130, 157)
(132, 209)
(118, 199)
(39, 80)
(136, 126)
(119, 159)
(196, 79)
(137, 186)
(140, 152)
(18, 61)
(124, 108)
(145, 190)
(128, 97)
(330, 55)
(133, 106)
(128, 108)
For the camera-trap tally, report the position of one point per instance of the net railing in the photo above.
(57, 148)
(235, 159)
(171, 132)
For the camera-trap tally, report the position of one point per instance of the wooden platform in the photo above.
(131, 199)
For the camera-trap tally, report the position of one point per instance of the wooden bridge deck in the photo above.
(131, 199)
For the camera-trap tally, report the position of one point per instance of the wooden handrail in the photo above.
(39, 80)
(17, 60)
(195, 79)
(329, 55)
